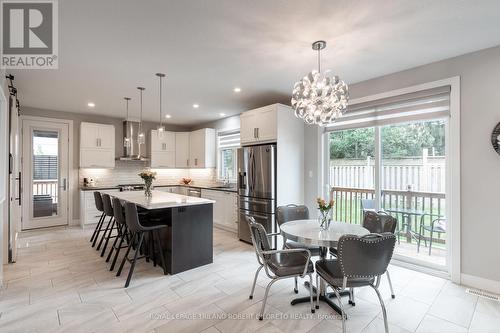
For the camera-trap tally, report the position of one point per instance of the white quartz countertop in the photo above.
(159, 199)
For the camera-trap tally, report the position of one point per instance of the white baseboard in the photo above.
(481, 283)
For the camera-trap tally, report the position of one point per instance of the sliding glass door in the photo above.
(398, 168)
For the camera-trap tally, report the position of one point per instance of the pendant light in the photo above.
(141, 138)
(127, 141)
(161, 129)
(317, 98)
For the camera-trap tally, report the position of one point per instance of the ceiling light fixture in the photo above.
(161, 129)
(317, 98)
(168, 116)
(196, 106)
(91, 105)
(237, 90)
(127, 141)
(141, 138)
(222, 114)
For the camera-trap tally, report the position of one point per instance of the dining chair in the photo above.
(289, 213)
(361, 262)
(98, 228)
(278, 264)
(123, 233)
(107, 235)
(377, 223)
(437, 226)
(138, 230)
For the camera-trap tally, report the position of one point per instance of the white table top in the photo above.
(158, 200)
(308, 232)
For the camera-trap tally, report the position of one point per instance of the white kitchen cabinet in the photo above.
(162, 150)
(97, 145)
(182, 149)
(97, 136)
(225, 209)
(88, 212)
(202, 148)
(260, 125)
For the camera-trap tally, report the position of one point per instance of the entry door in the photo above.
(45, 174)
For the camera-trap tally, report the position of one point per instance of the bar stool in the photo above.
(123, 233)
(98, 227)
(139, 230)
(108, 210)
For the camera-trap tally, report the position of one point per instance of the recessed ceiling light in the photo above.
(222, 114)
(196, 106)
(91, 105)
(168, 116)
(237, 89)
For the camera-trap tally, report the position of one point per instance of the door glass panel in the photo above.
(413, 188)
(45, 145)
(352, 172)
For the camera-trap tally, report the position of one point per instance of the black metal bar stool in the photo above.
(108, 210)
(123, 233)
(98, 227)
(139, 231)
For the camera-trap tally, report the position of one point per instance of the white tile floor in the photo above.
(61, 284)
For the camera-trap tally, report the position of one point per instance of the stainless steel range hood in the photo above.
(135, 151)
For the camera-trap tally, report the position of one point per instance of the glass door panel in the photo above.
(352, 172)
(413, 188)
(45, 173)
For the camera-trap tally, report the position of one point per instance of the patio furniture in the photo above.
(406, 225)
(289, 213)
(278, 264)
(361, 262)
(437, 226)
(309, 232)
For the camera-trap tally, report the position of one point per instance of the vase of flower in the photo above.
(148, 176)
(325, 213)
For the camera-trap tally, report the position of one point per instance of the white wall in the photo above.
(480, 164)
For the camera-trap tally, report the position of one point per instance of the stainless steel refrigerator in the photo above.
(256, 188)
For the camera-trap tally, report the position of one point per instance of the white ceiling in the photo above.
(206, 48)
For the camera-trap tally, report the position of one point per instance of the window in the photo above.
(390, 155)
(227, 144)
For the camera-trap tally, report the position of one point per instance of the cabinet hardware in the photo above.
(195, 161)
(257, 132)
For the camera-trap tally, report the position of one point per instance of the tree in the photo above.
(406, 140)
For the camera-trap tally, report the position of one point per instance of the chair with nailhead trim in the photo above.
(361, 262)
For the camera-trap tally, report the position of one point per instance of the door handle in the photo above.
(19, 189)
(64, 185)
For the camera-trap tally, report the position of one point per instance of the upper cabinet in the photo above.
(259, 125)
(97, 145)
(162, 150)
(202, 148)
(182, 150)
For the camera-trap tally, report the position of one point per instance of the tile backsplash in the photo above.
(125, 172)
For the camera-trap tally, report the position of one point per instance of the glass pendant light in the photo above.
(127, 141)
(317, 98)
(141, 138)
(161, 129)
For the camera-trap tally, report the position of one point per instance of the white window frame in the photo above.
(221, 177)
(453, 198)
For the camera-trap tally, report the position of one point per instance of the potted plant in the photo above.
(148, 176)
(325, 212)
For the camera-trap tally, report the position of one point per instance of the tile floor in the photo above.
(61, 284)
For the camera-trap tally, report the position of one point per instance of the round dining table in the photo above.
(308, 232)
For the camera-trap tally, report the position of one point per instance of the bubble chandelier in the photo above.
(317, 98)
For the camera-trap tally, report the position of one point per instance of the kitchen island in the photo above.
(188, 242)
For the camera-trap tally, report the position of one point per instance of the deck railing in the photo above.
(47, 187)
(348, 206)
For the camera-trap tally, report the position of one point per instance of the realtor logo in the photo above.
(29, 34)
